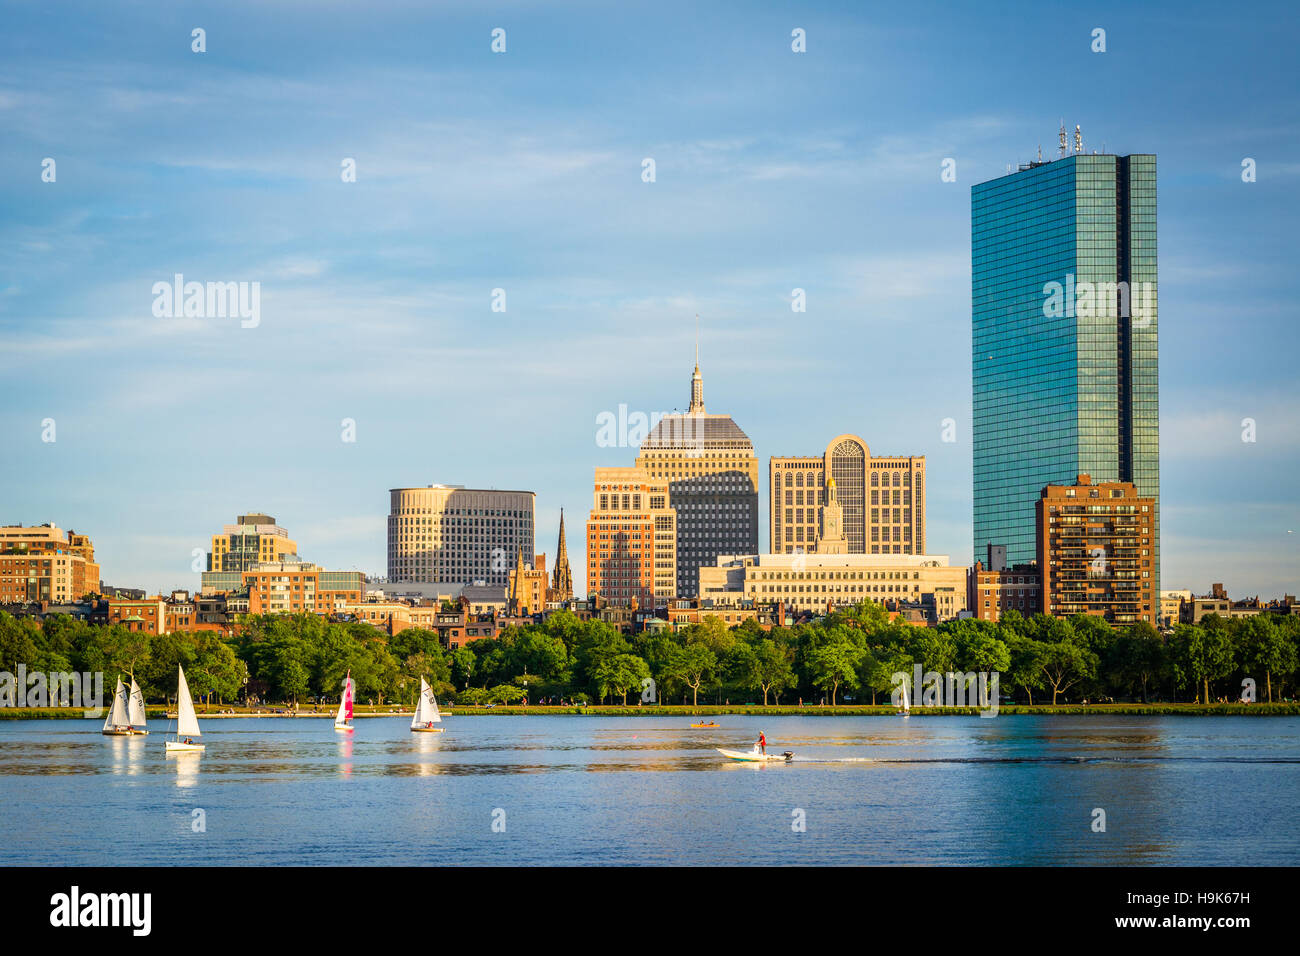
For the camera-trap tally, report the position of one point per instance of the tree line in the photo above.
(851, 654)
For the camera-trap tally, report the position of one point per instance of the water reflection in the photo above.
(187, 767)
(127, 754)
(345, 754)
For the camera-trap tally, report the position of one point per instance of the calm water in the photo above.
(580, 790)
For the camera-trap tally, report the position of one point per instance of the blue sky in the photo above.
(522, 171)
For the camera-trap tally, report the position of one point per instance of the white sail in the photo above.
(187, 724)
(907, 707)
(426, 711)
(136, 706)
(118, 713)
(420, 717)
(345, 710)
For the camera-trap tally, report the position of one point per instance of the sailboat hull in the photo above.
(344, 728)
(177, 746)
(426, 730)
(139, 733)
(117, 733)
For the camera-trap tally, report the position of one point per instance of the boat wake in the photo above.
(1047, 760)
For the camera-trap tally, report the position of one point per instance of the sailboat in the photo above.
(187, 724)
(135, 710)
(343, 719)
(118, 721)
(906, 709)
(426, 711)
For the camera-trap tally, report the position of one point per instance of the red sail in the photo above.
(347, 698)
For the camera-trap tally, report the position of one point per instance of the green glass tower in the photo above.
(1063, 361)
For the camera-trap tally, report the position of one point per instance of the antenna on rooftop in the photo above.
(1078, 139)
(1062, 138)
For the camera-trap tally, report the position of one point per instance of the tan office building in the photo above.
(883, 499)
(712, 475)
(452, 534)
(815, 582)
(631, 538)
(1095, 551)
(49, 539)
(49, 577)
(252, 540)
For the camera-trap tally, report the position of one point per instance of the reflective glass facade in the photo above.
(1062, 384)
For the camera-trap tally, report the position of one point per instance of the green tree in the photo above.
(505, 694)
(1138, 656)
(771, 668)
(834, 664)
(616, 673)
(463, 663)
(1063, 664)
(1200, 654)
(693, 665)
(1266, 648)
(1025, 669)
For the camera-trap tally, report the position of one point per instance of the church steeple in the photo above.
(562, 577)
(697, 380)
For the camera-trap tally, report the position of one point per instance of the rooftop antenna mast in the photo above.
(1063, 139)
(1078, 139)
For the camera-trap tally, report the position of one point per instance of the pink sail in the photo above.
(344, 717)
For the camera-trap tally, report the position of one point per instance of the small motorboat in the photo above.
(755, 755)
(705, 726)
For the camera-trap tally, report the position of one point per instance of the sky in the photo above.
(523, 171)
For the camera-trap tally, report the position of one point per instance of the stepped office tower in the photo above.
(712, 473)
(1063, 307)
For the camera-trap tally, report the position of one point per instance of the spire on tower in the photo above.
(697, 381)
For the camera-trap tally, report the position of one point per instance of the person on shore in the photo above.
(762, 742)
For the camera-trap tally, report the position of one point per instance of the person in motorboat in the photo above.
(762, 742)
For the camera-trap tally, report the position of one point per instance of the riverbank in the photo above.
(708, 710)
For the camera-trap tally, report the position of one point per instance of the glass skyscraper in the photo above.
(1063, 309)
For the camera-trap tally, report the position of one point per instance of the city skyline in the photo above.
(791, 173)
